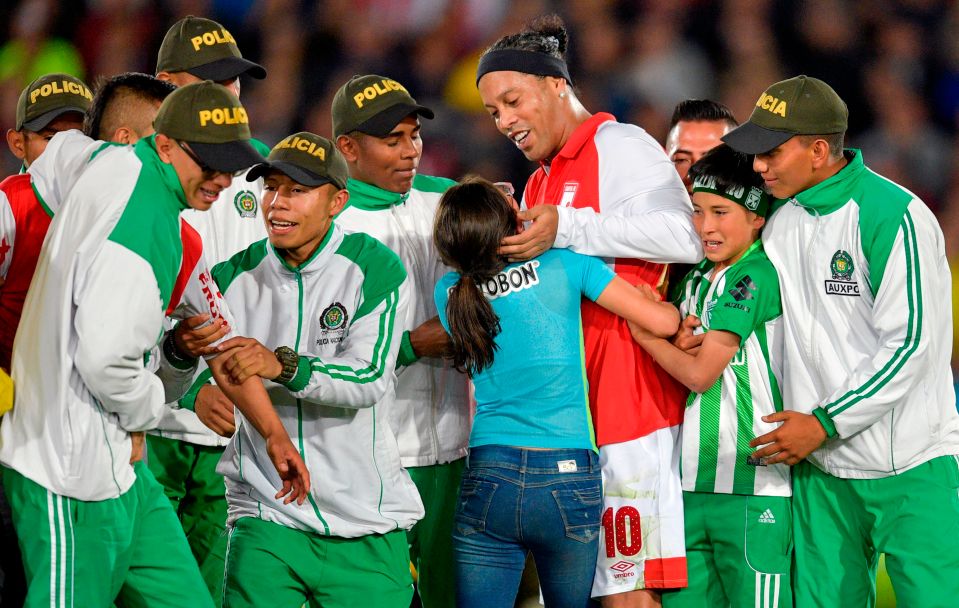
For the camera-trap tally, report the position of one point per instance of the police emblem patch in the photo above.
(245, 203)
(334, 317)
(841, 266)
(841, 269)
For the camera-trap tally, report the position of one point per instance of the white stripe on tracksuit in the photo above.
(767, 590)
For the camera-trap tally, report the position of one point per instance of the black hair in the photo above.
(545, 34)
(106, 106)
(472, 218)
(731, 169)
(707, 110)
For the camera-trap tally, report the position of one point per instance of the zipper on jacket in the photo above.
(809, 345)
(299, 403)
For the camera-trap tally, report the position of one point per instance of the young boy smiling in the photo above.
(738, 528)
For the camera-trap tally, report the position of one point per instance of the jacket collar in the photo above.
(834, 192)
(372, 198)
(146, 151)
(319, 258)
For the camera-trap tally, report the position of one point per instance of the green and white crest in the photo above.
(334, 317)
(841, 266)
(245, 203)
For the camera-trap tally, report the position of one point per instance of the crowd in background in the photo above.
(895, 62)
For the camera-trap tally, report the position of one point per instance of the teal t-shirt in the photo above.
(535, 392)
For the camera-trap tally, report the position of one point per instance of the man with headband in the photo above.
(605, 188)
(734, 382)
(870, 421)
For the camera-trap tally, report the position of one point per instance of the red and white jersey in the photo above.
(620, 198)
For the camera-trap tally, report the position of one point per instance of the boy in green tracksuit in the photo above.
(738, 513)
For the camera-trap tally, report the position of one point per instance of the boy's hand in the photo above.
(797, 437)
(685, 339)
(291, 468)
(215, 411)
(196, 342)
(246, 357)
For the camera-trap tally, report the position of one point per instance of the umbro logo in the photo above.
(623, 570)
(767, 517)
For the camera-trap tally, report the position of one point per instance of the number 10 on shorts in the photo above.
(623, 532)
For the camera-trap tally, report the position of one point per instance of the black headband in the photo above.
(527, 62)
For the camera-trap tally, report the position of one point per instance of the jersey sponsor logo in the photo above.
(767, 517)
(211, 39)
(569, 193)
(245, 203)
(510, 281)
(841, 269)
(623, 569)
(743, 290)
(373, 91)
(772, 104)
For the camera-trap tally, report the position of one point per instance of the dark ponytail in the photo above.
(473, 217)
(545, 34)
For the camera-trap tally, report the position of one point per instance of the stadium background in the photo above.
(895, 62)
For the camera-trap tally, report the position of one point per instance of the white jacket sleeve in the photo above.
(118, 319)
(8, 236)
(56, 170)
(905, 319)
(645, 211)
(364, 367)
(194, 293)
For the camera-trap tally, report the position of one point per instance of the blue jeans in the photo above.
(515, 501)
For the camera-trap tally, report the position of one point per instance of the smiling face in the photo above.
(298, 217)
(528, 110)
(200, 187)
(387, 162)
(726, 229)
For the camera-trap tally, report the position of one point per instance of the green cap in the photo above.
(48, 97)
(798, 106)
(373, 105)
(210, 118)
(307, 159)
(205, 49)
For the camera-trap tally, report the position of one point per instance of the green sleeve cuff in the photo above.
(188, 401)
(302, 376)
(825, 420)
(407, 354)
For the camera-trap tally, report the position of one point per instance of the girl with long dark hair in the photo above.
(532, 481)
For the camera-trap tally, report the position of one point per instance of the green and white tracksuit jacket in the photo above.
(432, 415)
(103, 285)
(341, 311)
(867, 322)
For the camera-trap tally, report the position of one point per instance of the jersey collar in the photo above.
(318, 258)
(581, 135)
